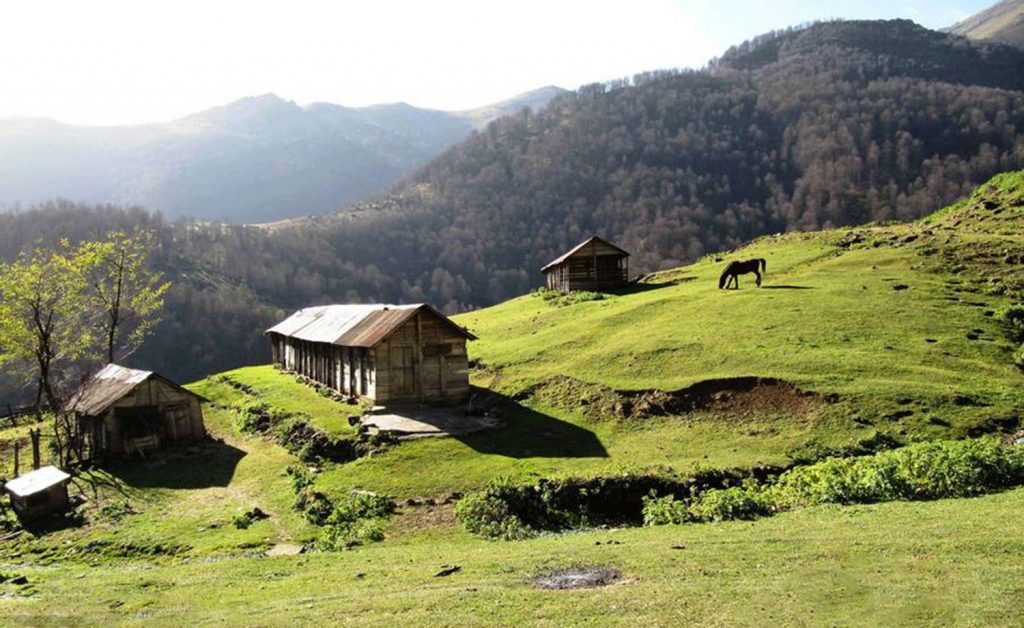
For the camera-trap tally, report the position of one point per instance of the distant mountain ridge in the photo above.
(257, 159)
(1002, 22)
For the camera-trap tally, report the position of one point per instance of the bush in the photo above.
(924, 471)
(302, 478)
(730, 503)
(246, 519)
(665, 510)
(487, 514)
(358, 518)
(316, 506)
(1012, 318)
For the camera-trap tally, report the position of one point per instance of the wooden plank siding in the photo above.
(422, 360)
(597, 266)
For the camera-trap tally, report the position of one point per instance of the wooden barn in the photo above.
(39, 493)
(123, 412)
(595, 264)
(387, 353)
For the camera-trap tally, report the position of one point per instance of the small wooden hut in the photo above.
(595, 264)
(386, 353)
(39, 493)
(123, 411)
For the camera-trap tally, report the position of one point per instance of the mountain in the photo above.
(258, 159)
(1002, 22)
(840, 123)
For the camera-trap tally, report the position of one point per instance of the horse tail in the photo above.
(764, 265)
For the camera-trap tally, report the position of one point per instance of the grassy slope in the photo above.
(829, 319)
(848, 333)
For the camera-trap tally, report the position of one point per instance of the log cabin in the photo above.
(124, 412)
(390, 354)
(594, 264)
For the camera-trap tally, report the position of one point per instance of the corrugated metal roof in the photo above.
(108, 386)
(36, 481)
(575, 249)
(359, 325)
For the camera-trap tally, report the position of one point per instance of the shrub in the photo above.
(730, 503)
(923, 471)
(488, 515)
(302, 478)
(316, 506)
(665, 510)
(358, 518)
(1012, 318)
(248, 518)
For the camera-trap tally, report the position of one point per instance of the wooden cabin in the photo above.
(595, 264)
(386, 353)
(39, 493)
(124, 412)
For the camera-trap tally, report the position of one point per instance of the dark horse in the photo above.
(733, 271)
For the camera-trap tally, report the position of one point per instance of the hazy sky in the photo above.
(118, 62)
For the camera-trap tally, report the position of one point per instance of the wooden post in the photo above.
(34, 435)
(419, 356)
(17, 447)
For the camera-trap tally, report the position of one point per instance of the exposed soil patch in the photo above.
(737, 396)
(577, 578)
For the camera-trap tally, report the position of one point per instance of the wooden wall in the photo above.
(179, 417)
(597, 266)
(423, 360)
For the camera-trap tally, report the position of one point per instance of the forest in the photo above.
(838, 123)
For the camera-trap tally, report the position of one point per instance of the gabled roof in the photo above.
(578, 247)
(110, 385)
(361, 325)
(36, 481)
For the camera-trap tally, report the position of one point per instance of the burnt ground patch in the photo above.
(576, 578)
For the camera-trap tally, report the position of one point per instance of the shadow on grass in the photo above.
(785, 287)
(202, 466)
(527, 433)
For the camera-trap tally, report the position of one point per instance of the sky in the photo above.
(101, 62)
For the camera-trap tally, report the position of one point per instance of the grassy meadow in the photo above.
(872, 337)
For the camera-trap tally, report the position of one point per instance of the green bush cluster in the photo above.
(1012, 318)
(506, 509)
(358, 518)
(931, 470)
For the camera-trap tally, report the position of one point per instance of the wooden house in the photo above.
(39, 493)
(124, 412)
(595, 264)
(387, 353)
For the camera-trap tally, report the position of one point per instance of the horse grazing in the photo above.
(733, 271)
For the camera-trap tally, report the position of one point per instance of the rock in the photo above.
(900, 287)
(285, 549)
(447, 570)
(678, 547)
(19, 580)
(360, 575)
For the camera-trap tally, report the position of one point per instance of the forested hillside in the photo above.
(840, 123)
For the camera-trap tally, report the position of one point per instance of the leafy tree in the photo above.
(123, 287)
(43, 322)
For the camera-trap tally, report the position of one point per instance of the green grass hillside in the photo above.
(860, 339)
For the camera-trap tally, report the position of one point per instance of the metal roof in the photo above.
(108, 386)
(361, 325)
(36, 481)
(576, 249)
